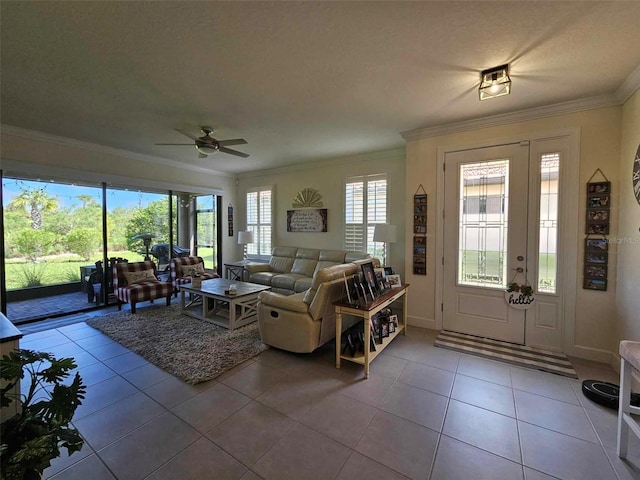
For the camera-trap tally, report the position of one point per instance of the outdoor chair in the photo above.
(181, 271)
(136, 282)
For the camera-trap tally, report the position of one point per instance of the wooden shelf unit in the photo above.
(365, 313)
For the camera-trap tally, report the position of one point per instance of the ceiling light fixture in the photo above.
(495, 82)
(207, 149)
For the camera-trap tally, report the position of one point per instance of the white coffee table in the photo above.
(229, 311)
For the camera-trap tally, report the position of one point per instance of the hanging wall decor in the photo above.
(420, 231)
(597, 223)
(230, 219)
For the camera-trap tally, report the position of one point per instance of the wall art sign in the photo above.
(307, 220)
(230, 219)
(596, 250)
(420, 231)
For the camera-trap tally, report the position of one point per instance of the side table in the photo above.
(237, 270)
(366, 312)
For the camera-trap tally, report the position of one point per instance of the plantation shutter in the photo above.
(259, 221)
(363, 211)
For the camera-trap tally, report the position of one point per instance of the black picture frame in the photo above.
(370, 277)
(595, 284)
(596, 244)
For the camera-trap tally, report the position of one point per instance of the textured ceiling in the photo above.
(300, 81)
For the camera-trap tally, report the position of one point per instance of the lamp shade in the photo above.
(245, 237)
(383, 232)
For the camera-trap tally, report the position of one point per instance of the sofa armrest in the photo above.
(258, 267)
(292, 303)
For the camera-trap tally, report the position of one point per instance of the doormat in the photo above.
(523, 356)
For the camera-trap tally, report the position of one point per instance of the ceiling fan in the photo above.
(207, 145)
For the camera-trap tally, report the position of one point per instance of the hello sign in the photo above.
(519, 300)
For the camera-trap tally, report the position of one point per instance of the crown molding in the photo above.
(389, 154)
(94, 147)
(513, 117)
(629, 86)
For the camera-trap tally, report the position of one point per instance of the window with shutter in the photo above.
(365, 205)
(259, 220)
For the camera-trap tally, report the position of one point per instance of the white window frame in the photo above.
(355, 237)
(260, 222)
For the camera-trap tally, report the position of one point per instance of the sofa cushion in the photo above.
(304, 266)
(284, 252)
(308, 253)
(281, 264)
(355, 256)
(336, 256)
(303, 284)
(285, 281)
(263, 278)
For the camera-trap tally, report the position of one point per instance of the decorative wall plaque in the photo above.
(307, 220)
(308, 197)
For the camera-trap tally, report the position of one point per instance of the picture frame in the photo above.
(598, 188)
(392, 326)
(595, 271)
(597, 215)
(419, 270)
(419, 250)
(419, 229)
(420, 240)
(369, 275)
(384, 327)
(595, 284)
(393, 319)
(388, 271)
(596, 244)
(394, 281)
(595, 257)
(597, 229)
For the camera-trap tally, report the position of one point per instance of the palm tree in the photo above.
(36, 201)
(86, 200)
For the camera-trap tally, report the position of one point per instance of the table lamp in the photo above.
(245, 238)
(385, 233)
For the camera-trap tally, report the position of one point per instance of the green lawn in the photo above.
(52, 271)
(65, 269)
(547, 268)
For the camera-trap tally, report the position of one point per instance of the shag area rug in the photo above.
(521, 355)
(191, 349)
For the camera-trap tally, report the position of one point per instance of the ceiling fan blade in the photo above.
(186, 134)
(202, 155)
(233, 152)
(189, 144)
(233, 141)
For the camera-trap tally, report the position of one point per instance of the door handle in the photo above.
(519, 269)
(520, 258)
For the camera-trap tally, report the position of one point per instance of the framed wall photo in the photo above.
(420, 231)
(598, 205)
(596, 244)
(595, 284)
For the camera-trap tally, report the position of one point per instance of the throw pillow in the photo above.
(188, 270)
(139, 277)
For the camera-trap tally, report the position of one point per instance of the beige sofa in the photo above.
(304, 321)
(291, 270)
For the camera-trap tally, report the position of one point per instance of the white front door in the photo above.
(486, 239)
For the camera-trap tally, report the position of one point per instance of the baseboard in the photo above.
(421, 322)
(590, 353)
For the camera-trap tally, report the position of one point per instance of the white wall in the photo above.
(328, 178)
(599, 148)
(628, 283)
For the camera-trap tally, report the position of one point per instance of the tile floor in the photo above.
(424, 413)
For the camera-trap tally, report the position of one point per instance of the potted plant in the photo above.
(33, 437)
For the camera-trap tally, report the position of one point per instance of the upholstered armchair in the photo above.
(136, 282)
(181, 271)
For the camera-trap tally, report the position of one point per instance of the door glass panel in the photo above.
(483, 213)
(548, 248)
(206, 229)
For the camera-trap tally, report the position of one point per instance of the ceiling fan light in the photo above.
(494, 82)
(207, 149)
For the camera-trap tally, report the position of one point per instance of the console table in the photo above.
(366, 312)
